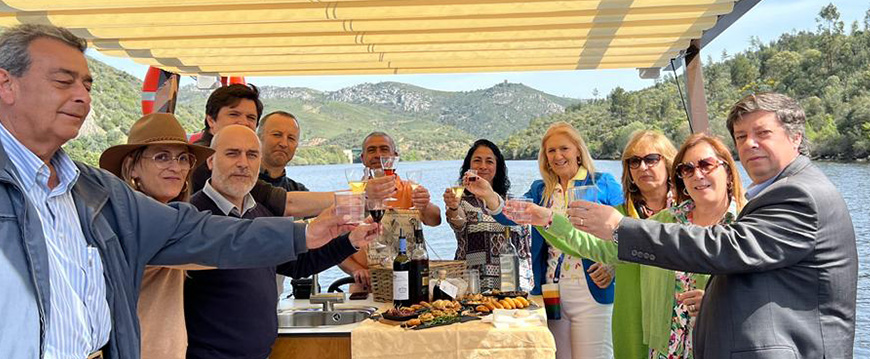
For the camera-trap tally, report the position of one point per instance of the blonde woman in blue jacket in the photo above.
(586, 287)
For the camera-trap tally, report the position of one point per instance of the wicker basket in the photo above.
(382, 278)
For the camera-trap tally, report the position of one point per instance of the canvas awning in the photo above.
(344, 37)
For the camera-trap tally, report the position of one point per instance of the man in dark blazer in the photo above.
(785, 274)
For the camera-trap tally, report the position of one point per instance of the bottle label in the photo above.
(400, 285)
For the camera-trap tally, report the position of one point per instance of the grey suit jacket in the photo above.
(785, 275)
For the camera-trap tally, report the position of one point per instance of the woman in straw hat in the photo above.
(158, 161)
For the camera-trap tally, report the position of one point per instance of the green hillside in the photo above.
(827, 70)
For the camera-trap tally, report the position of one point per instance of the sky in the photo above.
(767, 21)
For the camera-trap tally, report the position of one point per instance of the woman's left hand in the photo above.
(692, 300)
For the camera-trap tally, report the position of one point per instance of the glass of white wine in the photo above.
(458, 190)
(356, 179)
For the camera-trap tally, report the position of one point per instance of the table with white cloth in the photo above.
(473, 339)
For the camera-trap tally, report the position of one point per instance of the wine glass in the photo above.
(388, 163)
(458, 189)
(356, 179)
(376, 209)
(414, 178)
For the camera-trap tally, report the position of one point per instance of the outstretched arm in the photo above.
(769, 236)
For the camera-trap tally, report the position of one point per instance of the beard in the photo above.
(233, 186)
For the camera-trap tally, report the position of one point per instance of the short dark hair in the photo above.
(230, 96)
(788, 111)
(501, 184)
(265, 119)
(15, 41)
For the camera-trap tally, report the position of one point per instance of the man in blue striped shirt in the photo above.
(74, 240)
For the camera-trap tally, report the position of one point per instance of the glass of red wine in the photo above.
(376, 209)
(388, 163)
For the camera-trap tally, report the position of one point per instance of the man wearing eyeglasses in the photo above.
(785, 274)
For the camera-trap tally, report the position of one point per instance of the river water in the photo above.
(852, 179)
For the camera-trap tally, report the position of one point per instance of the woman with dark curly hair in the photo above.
(479, 237)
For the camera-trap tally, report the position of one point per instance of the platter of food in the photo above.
(485, 304)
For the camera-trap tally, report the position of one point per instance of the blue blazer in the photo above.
(609, 193)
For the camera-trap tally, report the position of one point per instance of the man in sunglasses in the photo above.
(785, 274)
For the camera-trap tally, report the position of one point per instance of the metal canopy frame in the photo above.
(699, 120)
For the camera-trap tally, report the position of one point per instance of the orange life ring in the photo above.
(232, 80)
(149, 89)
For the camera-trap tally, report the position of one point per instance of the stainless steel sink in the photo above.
(314, 317)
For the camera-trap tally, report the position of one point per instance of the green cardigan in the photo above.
(644, 300)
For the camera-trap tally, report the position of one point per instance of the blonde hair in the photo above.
(134, 158)
(550, 178)
(661, 145)
(736, 192)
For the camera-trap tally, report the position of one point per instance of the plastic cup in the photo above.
(585, 193)
(350, 204)
(517, 207)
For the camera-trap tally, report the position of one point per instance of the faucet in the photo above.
(328, 300)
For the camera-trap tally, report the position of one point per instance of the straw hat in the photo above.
(153, 129)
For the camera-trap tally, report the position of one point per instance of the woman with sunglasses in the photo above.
(707, 190)
(157, 162)
(586, 287)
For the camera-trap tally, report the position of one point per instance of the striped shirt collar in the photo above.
(224, 204)
(31, 168)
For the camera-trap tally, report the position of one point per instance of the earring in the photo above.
(135, 183)
(685, 191)
(184, 188)
(633, 187)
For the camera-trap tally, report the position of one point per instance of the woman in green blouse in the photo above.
(654, 308)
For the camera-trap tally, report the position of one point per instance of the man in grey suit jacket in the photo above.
(785, 274)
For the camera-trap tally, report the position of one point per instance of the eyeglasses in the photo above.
(163, 160)
(706, 165)
(651, 160)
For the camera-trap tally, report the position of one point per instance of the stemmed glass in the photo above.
(376, 209)
(388, 163)
(414, 178)
(356, 179)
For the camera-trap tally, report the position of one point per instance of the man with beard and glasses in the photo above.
(231, 313)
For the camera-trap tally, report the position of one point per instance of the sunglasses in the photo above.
(163, 160)
(706, 165)
(651, 160)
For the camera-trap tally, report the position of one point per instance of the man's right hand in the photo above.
(381, 187)
(365, 233)
(325, 227)
(362, 276)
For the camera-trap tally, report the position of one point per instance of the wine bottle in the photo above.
(419, 281)
(401, 267)
(508, 263)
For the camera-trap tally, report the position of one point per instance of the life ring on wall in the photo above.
(149, 90)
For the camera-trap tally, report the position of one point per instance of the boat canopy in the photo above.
(353, 37)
